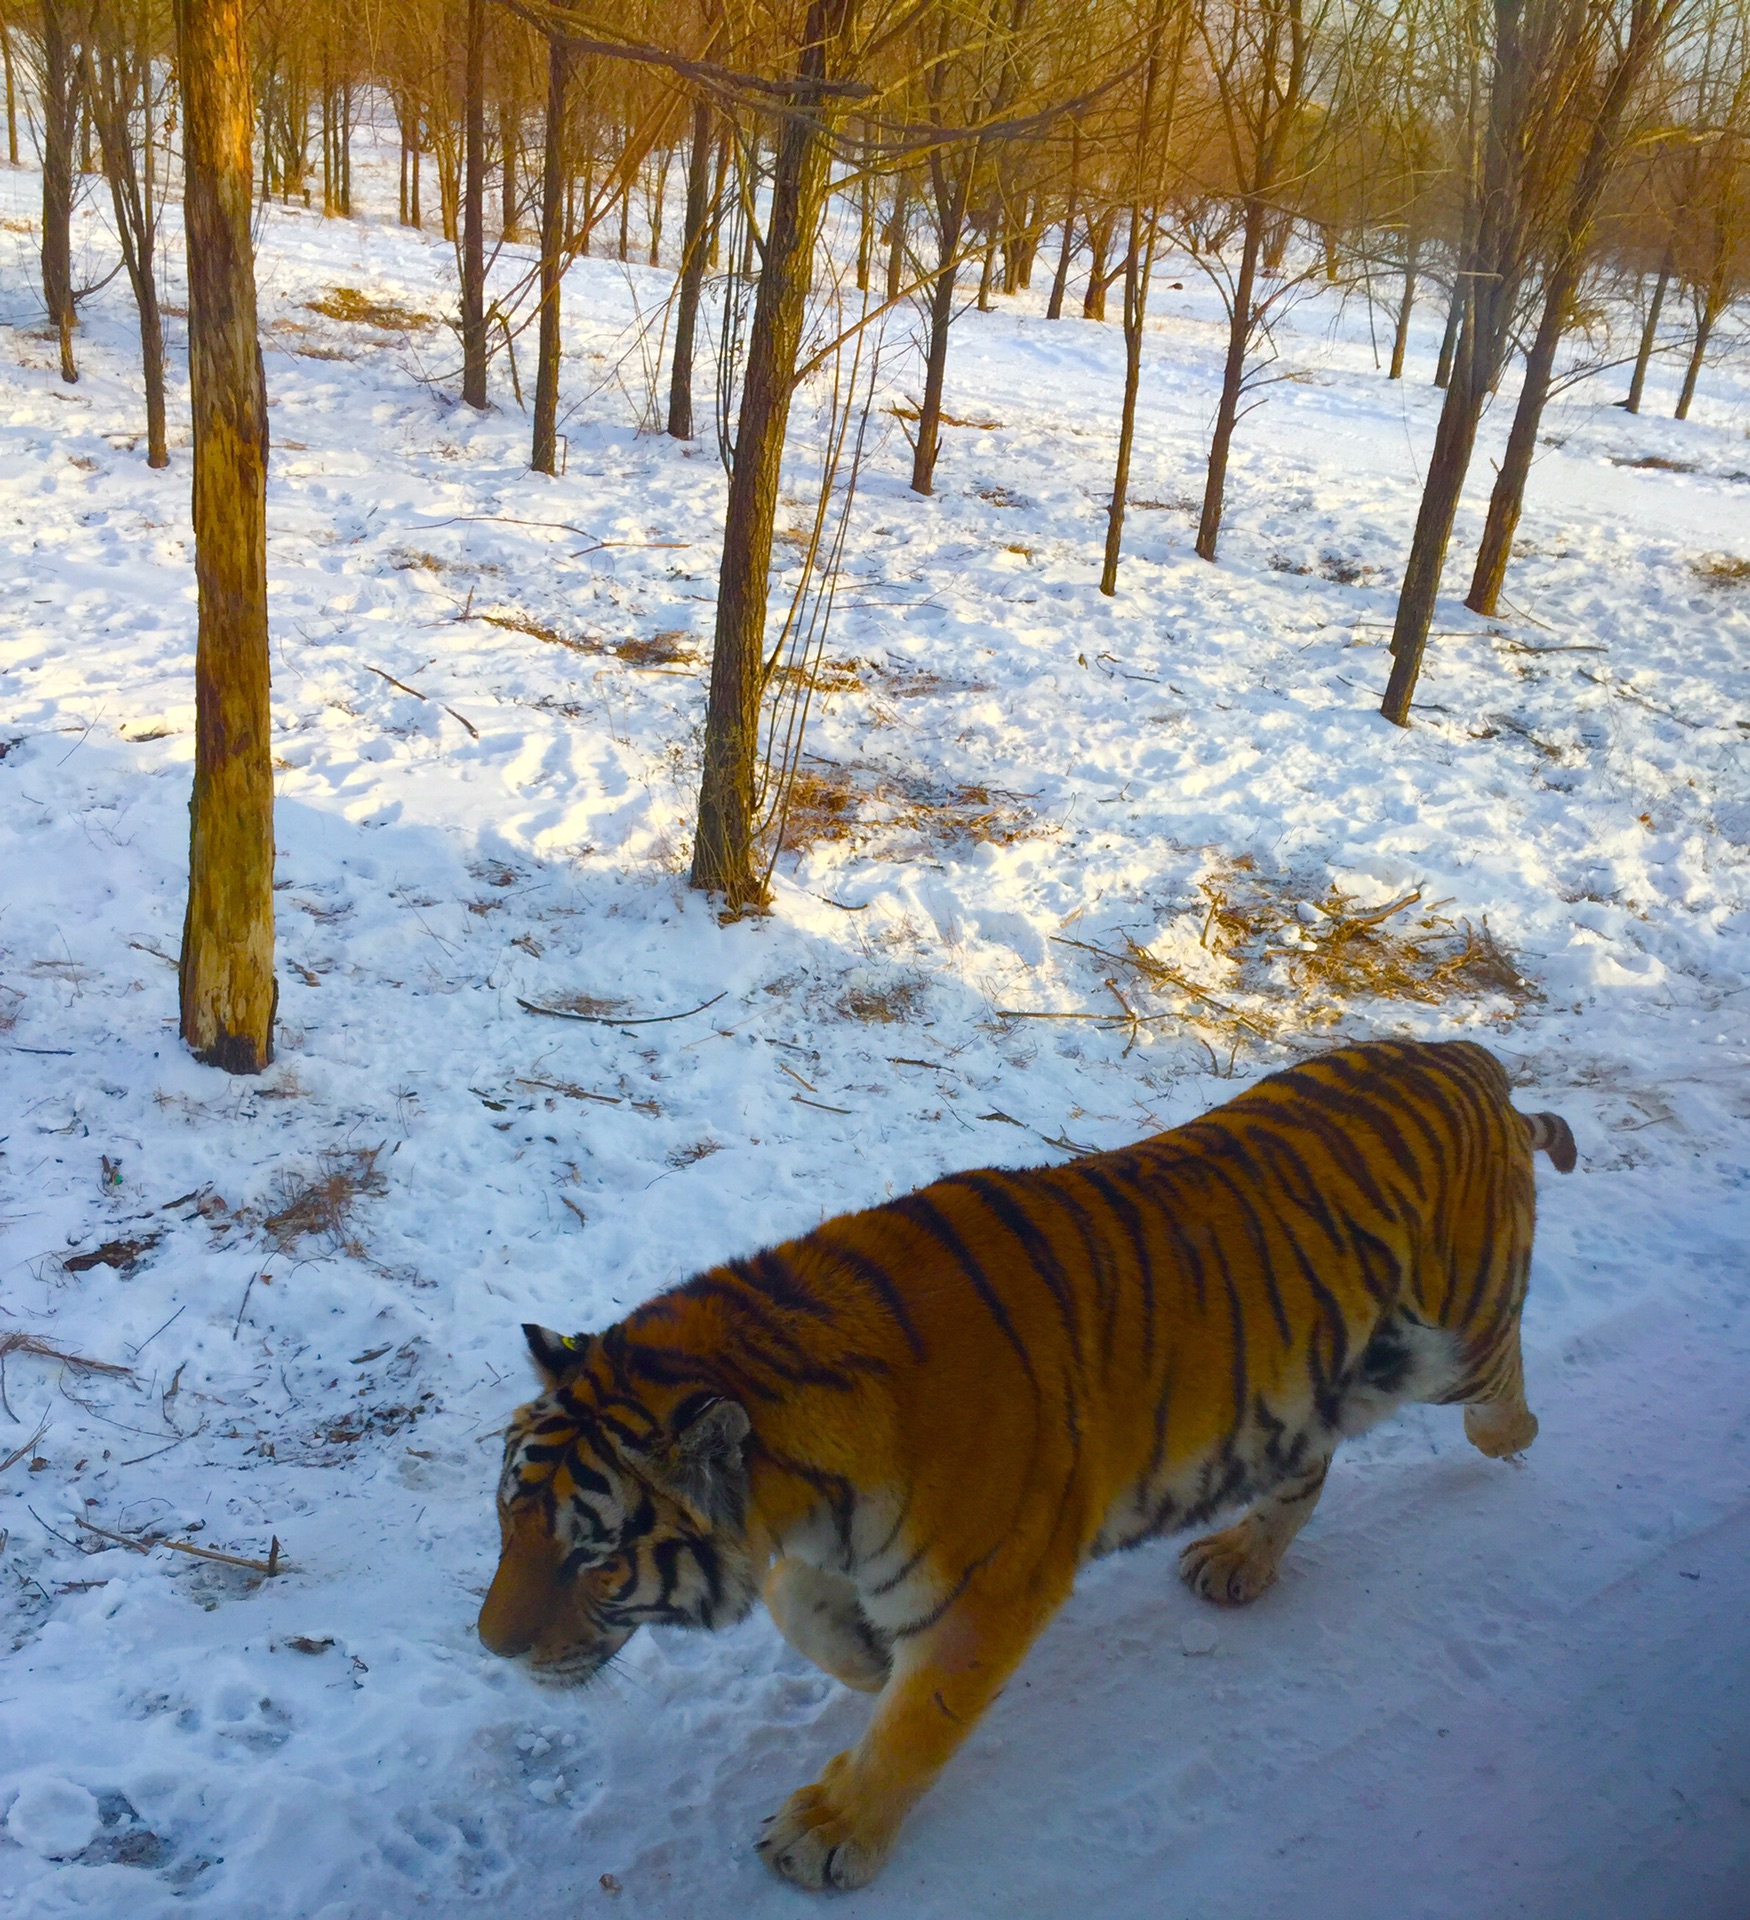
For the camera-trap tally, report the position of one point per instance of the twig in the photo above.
(821, 1104)
(574, 1093)
(137, 1351)
(474, 732)
(18, 1453)
(157, 953)
(144, 1544)
(29, 1343)
(794, 1075)
(616, 1020)
(237, 1324)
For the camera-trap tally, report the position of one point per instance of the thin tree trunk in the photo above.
(111, 105)
(1401, 338)
(1649, 335)
(1099, 244)
(723, 844)
(473, 209)
(11, 93)
(951, 205)
(693, 245)
(1060, 280)
(865, 229)
(1704, 328)
(1449, 338)
(1507, 498)
(1239, 340)
(896, 227)
(508, 135)
(714, 254)
(988, 274)
(59, 106)
(228, 990)
(1138, 260)
(553, 174)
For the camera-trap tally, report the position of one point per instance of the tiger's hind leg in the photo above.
(1237, 1564)
(819, 1614)
(1499, 1422)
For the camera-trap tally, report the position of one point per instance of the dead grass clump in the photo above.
(691, 1155)
(348, 303)
(822, 806)
(535, 629)
(1723, 570)
(887, 1005)
(672, 649)
(825, 676)
(949, 420)
(321, 1207)
(829, 803)
(1001, 496)
(1326, 950)
(590, 1005)
(11, 1000)
(1654, 463)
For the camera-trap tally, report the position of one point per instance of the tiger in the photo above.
(907, 1429)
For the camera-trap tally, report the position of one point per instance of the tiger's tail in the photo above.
(1550, 1133)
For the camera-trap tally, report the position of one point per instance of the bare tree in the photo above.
(61, 24)
(228, 991)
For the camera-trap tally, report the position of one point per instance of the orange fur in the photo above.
(953, 1400)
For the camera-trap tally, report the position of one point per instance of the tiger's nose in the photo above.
(514, 1612)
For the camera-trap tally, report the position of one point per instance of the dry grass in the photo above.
(321, 1206)
(949, 420)
(349, 304)
(888, 1005)
(1723, 570)
(1654, 463)
(11, 1000)
(830, 803)
(1287, 955)
(825, 676)
(672, 649)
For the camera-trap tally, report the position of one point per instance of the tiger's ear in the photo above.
(555, 1354)
(702, 1461)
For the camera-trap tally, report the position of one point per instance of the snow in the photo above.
(1477, 1690)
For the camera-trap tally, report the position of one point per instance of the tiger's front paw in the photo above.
(816, 1841)
(1230, 1567)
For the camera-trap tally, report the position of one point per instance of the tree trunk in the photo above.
(1449, 338)
(508, 135)
(951, 214)
(228, 990)
(1508, 497)
(1239, 340)
(1060, 279)
(1099, 244)
(1603, 143)
(1138, 260)
(1649, 335)
(693, 244)
(723, 845)
(1704, 328)
(473, 209)
(553, 172)
(111, 104)
(11, 94)
(1401, 338)
(896, 227)
(59, 109)
(865, 228)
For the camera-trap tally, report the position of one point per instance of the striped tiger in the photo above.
(910, 1427)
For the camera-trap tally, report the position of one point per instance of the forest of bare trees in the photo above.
(1567, 181)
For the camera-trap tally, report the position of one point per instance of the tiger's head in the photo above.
(613, 1513)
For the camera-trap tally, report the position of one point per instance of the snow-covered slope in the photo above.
(1478, 1690)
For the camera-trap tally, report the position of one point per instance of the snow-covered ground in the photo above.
(1478, 1690)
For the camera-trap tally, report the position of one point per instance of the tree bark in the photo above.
(693, 247)
(228, 990)
(111, 104)
(59, 110)
(1449, 338)
(553, 172)
(723, 845)
(951, 217)
(1066, 253)
(1401, 338)
(1239, 338)
(896, 226)
(1704, 328)
(1099, 244)
(473, 208)
(1138, 260)
(11, 93)
(1649, 336)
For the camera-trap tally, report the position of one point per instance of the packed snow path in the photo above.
(1478, 1690)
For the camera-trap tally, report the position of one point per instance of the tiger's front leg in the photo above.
(820, 1615)
(837, 1832)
